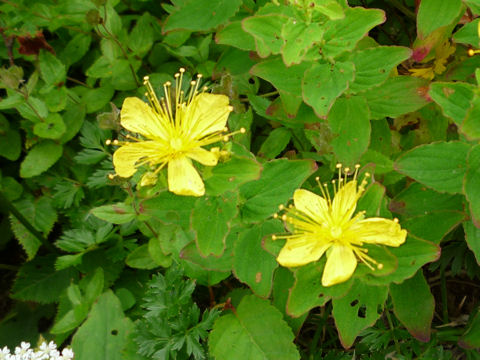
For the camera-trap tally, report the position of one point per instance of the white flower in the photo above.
(67, 354)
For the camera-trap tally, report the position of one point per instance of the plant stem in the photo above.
(443, 289)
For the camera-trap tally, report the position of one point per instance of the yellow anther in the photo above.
(115, 142)
(225, 129)
(275, 216)
(243, 130)
(193, 82)
(380, 266)
(274, 237)
(281, 207)
(338, 166)
(182, 70)
(317, 178)
(108, 142)
(168, 83)
(225, 138)
(230, 108)
(284, 217)
(176, 75)
(199, 76)
(111, 176)
(146, 78)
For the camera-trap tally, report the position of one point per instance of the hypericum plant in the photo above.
(294, 88)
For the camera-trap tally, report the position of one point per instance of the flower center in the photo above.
(176, 144)
(336, 232)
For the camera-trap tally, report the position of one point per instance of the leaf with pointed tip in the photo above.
(472, 183)
(357, 310)
(455, 99)
(255, 331)
(323, 83)
(440, 165)
(413, 304)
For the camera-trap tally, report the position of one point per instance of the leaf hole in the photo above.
(114, 332)
(362, 312)
(354, 303)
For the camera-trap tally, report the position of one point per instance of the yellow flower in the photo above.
(173, 132)
(325, 225)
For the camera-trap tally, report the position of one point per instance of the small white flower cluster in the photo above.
(45, 352)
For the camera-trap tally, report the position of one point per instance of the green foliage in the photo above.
(171, 326)
(390, 85)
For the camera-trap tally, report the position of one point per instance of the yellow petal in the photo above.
(183, 179)
(379, 231)
(316, 207)
(207, 113)
(127, 156)
(301, 251)
(345, 202)
(138, 117)
(203, 156)
(341, 264)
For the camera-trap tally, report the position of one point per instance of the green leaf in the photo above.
(41, 215)
(52, 128)
(471, 124)
(382, 100)
(284, 279)
(350, 124)
(56, 98)
(253, 265)
(158, 254)
(412, 255)
(287, 80)
(343, 34)
(472, 237)
(299, 37)
(140, 39)
(234, 35)
(140, 258)
(119, 213)
(101, 68)
(267, 32)
(433, 15)
(52, 70)
(73, 119)
(10, 143)
(40, 158)
(471, 338)
(323, 83)
(210, 220)
(122, 76)
(472, 183)
(38, 281)
(229, 175)
(468, 34)
(169, 208)
(357, 310)
(200, 15)
(418, 200)
(374, 65)
(280, 178)
(453, 98)
(104, 334)
(257, 329)
(414, 305)
(433, 226)
(275, 143)
(76, 48)
(308, 292)
(440, 166)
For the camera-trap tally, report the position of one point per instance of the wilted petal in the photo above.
(379, 231)
(341, 264)
(203, 156)
(301, 251)
(138, 117)
(316, 207)
(127, 156)
(207, 113)
(183, 178)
